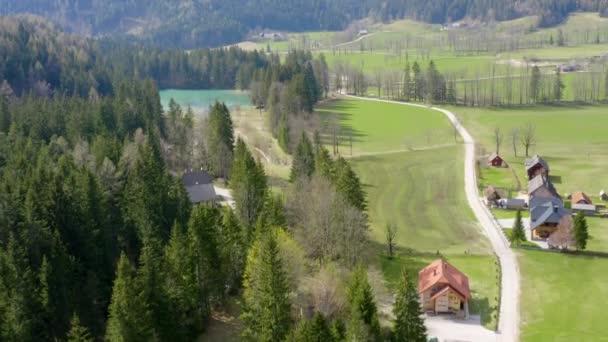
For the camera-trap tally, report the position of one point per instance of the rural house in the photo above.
(541, 186)
(580, 197)
(582, 203)
(495, 160)
(545, 217)
(536, 166)
(444, 289)
(199, 185)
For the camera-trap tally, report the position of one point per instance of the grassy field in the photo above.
(562, 297)
(573, 139)
(420, 191)
(384, 127)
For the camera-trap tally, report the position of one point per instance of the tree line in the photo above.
(37, 57)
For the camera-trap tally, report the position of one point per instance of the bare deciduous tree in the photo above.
(498, 137)
(390, 234)
(563, 237)
(514, 134)
(528, 137)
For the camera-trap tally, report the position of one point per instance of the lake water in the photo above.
(200, 100)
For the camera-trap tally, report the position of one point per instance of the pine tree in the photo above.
(314, 329)
(535, 84)
(581, 231)
(219, 136)
(558, 89)
(362, 304)
(127, 313)
(348, 184)
(407, 79)
(409, 325)
(303, 165)
(266, 306)
(233, 248)
(518, 234)
(249, 187)
(78, 333)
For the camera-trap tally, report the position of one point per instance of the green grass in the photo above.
(598, 232)
(572, 138)
(422, 193)
(382, 127)
(500, 177)
(509, 231)
(563, 297)
(481, 270)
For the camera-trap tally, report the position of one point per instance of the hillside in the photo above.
(200, 23)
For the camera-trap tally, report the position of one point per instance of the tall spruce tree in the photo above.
(315, 329)
(348, 184)
(518, 235)
(558, 89)
(219, 137)
(581, 231)
(266, 306)
(303, 165)
(535, 84)
(233, 249)
(78, 333)
(408, 323)
(362, 304)
(249, 187)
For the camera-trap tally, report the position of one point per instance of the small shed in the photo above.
(603, 195)
(495, 160)
(515, 204)
(586, 209)
(199, 185)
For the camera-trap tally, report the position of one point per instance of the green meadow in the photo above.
(420, 191)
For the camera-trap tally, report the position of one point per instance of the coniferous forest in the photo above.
(218, 22)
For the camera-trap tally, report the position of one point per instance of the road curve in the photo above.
(508, 322)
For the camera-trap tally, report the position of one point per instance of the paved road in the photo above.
(508, 324)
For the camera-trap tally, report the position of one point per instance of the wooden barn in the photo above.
(443, 289)
(495, 160)
(536, 166)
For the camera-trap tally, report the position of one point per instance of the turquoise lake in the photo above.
(200, 100)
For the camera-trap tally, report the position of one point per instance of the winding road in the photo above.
(508, 321)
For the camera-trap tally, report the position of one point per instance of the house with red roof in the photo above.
(444, 289)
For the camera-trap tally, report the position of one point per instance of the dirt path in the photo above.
(508, 321)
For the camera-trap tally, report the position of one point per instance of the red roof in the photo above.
(443, 273)
(581, 196)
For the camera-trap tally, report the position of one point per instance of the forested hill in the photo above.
(201, 23)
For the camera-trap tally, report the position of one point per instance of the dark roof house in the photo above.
(547, 213)
(199, 185)
(535, 166)
(541, 186)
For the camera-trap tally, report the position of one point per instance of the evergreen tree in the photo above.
(362, 305)
(518, 234)
(407, 80)
(303, 165)
(419, 86)
(266, 306)
(581, 231)
(348, 184)
(312, 92)
(127, 312)
(249, 188)
(535, 84)
(324, 164)
(219, 139)
(558, 89)
(409, 324)
(233, 248)
(314, 329)
(77, 332)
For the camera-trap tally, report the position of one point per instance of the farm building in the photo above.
(580, 198)
(444, 289)
(586, 209)
(495, 160)
(536, 166)
(545, 217)
(199, 185)
(515, 204)
(541, 186)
